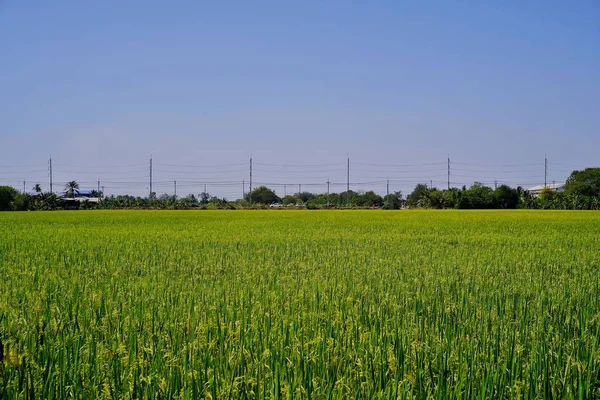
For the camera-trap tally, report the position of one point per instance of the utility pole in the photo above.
(348, 176)
(250, 196)
(205, 188)
(284, 190)
(299, 188)
(99, 190)
(431, 184)
(448, 172)
(388, 187)
(175, 183)
(50, 166)
(545, 170)
(23, 187)
(327, 193)
(348, 183)
(150, 195)
(495, 184)
(243, 189)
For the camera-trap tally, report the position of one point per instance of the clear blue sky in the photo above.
(194, 83)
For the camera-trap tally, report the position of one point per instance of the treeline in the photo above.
(478, 197)
(581, 192)
(260, 198)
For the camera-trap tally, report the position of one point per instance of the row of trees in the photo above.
(582, 192)
(11, 199)
(260, 197)
(479, 196)
(370, 199)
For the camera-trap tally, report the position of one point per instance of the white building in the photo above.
(536, 190)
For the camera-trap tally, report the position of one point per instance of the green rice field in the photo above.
(300, 304)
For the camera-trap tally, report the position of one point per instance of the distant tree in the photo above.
(419, 192)
(166, 197)
(526, 199)
(433, 198)
(506, 197)
(217, 201)
(304, 196)
(348, 198)
(451, 198)
(71, 188)
(393, 201)
(289, 199)
(189, 201)
(204, 198)
(241, 203)
(370, 199)
(46, 202)
(7, 196)
(477, 196)
(584, 183)
(262, 195)
(95, 193)
(23, 202)
(37, 188)
(547, 194)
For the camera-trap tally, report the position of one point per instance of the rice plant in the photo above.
(299, 304)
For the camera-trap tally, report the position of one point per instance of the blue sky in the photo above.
(103, 85)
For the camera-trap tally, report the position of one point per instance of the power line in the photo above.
(301, 172)
(300, 165)
(197, 172)
(201, 166)
(497, 165)
(400, 165)
(311, 175)
(99, 166)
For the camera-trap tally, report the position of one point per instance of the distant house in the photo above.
(536, 190)
(81, 196)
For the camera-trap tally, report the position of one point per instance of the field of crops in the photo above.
(300, 304)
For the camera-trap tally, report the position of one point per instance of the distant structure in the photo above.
(536, 190)
(83, 195)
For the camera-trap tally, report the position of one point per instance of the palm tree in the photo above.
(46, 201)
(37, 188)
(71, 188)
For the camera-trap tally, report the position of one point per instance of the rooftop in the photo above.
(554, 186)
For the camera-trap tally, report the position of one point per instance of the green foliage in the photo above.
(477, 197)
(71, 189)
(393, 201)
(7, 196)
(419, 193)
(262, 195)
(506, 197)
(289, 199)
(547, 194)
(369, 199)
(304, 196)
(204, 198)
(257, 304)
(584, 183)
(23, 202)
(46, 202)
